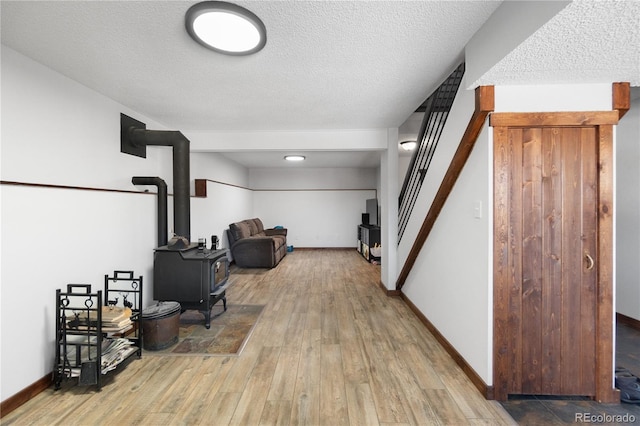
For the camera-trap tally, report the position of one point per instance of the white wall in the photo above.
(388, 190)
(574, 97)
(228, 198)
(314, 218)
(50, 122)
(628, 213)
(209, 165)
(403, 166)
(312, 178)
(320, 207)
(57, 132)
(450, 281)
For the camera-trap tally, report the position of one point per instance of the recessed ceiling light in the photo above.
(225, 28)
(408, 145)
(294, 157)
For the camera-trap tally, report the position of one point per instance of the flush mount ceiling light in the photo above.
(294, 157)
(225, 28)
(408, 145)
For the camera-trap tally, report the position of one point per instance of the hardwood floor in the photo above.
(330, 349)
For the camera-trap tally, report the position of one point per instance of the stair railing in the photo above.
(484, 105)
(437, 108)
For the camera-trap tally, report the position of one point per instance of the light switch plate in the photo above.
(477, 209)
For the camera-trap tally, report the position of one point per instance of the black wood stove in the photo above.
(183, 272)
(197, 278)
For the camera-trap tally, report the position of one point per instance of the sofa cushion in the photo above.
(253, 229)
(279, 241)
(239, 230)
(259, 224)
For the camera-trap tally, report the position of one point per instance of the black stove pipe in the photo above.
(181, 195)
(162, 204)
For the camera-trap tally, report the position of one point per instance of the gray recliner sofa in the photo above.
(252, 246)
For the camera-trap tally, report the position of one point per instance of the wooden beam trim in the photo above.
(484, 105)
(80, 188)
(485, 99)
(201, 188)
(605, 390)
(621, 94)
(502, 353)
(77, 188)
(534, 119)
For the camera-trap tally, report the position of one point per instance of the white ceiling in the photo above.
(326, 64)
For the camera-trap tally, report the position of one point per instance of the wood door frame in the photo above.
(603, 121)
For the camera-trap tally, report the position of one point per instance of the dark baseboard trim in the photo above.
(390, 293)
(631, 322)
(15, 401)
(485, 390)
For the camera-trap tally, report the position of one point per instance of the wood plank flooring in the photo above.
(330, 349)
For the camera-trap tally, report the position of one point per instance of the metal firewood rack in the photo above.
(81, 339)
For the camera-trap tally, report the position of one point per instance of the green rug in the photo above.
(228, 334)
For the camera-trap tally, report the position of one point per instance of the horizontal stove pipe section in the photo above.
(134, 138)
(162, 204)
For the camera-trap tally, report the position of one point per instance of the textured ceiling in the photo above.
(326, 64)
(587, 41)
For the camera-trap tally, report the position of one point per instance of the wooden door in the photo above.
(549, 305)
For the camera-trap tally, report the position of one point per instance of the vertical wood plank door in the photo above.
(545, 260)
